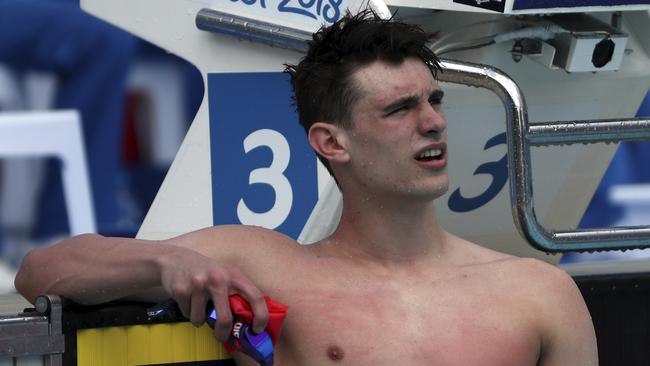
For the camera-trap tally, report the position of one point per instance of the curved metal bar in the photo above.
(520, 135)
(519, 164)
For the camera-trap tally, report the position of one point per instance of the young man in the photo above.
(389, 286)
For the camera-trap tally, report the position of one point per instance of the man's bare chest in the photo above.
(384, 324)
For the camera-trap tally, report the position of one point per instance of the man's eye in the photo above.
(435, 98)
(435, 101)
(398, 109)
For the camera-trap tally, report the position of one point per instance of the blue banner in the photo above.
(264, 172)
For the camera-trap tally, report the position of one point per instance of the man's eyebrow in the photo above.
(403, 101)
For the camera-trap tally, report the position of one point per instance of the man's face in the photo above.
(398, 132)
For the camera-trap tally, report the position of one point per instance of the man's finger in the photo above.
(197, 310)
(223, 324)
(255, 298)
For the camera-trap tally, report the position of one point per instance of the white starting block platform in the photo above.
(238, 130)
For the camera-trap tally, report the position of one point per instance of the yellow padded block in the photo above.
(150, 344)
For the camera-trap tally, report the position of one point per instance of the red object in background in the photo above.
(130, 148)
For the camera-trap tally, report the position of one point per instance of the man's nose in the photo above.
(432, 120)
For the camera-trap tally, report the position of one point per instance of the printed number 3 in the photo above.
(273, 176)
(499, 172)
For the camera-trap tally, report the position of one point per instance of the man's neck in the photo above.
(389, 232)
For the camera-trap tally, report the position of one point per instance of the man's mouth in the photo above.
(430, 154)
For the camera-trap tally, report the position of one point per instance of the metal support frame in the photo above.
(521, 135)
(252, 30)
(35, 333)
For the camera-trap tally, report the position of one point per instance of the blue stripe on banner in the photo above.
(547, 4)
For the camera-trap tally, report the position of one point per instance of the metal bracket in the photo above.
(521, 136)
(252, 30)
(37, 332)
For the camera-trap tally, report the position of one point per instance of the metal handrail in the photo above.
(521, 136)
(252, 30)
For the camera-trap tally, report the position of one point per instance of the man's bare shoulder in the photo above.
(545, 292)
(530, 273)
(561, 317)
(240, 245)
(465, 253)
(255, 235)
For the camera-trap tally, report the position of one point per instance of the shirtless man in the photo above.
(389, 286)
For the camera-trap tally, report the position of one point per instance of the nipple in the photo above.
(335, 353)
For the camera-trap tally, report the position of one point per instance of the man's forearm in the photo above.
(192, 269)
(92, 269)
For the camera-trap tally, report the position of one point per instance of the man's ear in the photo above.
(329, 141)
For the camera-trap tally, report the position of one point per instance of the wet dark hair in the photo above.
(323, 88)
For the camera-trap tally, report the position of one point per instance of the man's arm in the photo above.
(568, 332)
(192, 269)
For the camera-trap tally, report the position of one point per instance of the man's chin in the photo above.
(430, 193)
(440, 187)
(440, 191)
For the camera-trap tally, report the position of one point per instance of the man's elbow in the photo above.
(27, 281)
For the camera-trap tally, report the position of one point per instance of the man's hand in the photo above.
(193, 279)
